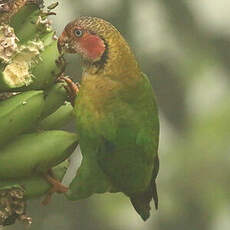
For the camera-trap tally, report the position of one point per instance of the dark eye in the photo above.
(78, 33)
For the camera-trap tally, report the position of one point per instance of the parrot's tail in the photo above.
(141, 201)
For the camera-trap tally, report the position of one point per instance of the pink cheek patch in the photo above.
(93, 46)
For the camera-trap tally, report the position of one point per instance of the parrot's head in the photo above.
(99, 43)
(84, 36)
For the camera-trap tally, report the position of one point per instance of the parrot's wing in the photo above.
(129, 157)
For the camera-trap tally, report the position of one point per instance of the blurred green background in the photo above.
(184, 47)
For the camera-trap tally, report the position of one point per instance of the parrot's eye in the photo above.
(78, 33)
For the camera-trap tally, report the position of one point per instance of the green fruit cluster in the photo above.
(33, 107)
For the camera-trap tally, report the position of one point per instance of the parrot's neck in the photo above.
(117, 63)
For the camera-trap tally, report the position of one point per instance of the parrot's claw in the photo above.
(72, 88)
(57, 186)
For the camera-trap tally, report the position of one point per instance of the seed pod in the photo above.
(19, 114)
(28, 23)
(35, 153)
(45, 72)
(54, 98)
(59, 118)
(32, 67)
(35, 185)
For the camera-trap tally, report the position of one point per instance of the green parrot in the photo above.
(116, 116)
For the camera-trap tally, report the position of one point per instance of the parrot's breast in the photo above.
(98, 98)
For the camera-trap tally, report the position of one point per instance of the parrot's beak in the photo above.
(63, 43)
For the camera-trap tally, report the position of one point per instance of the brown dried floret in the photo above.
(13, 206)
(8, 42)
(9, 8)
(17, 73)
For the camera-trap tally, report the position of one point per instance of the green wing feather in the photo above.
(129, 158)
(130, 152)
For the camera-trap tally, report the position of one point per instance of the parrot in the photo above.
(116, 116)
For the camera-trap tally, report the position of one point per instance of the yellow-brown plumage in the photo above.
(116, 115)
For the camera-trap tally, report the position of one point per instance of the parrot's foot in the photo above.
(57, 186)
(71, 87)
